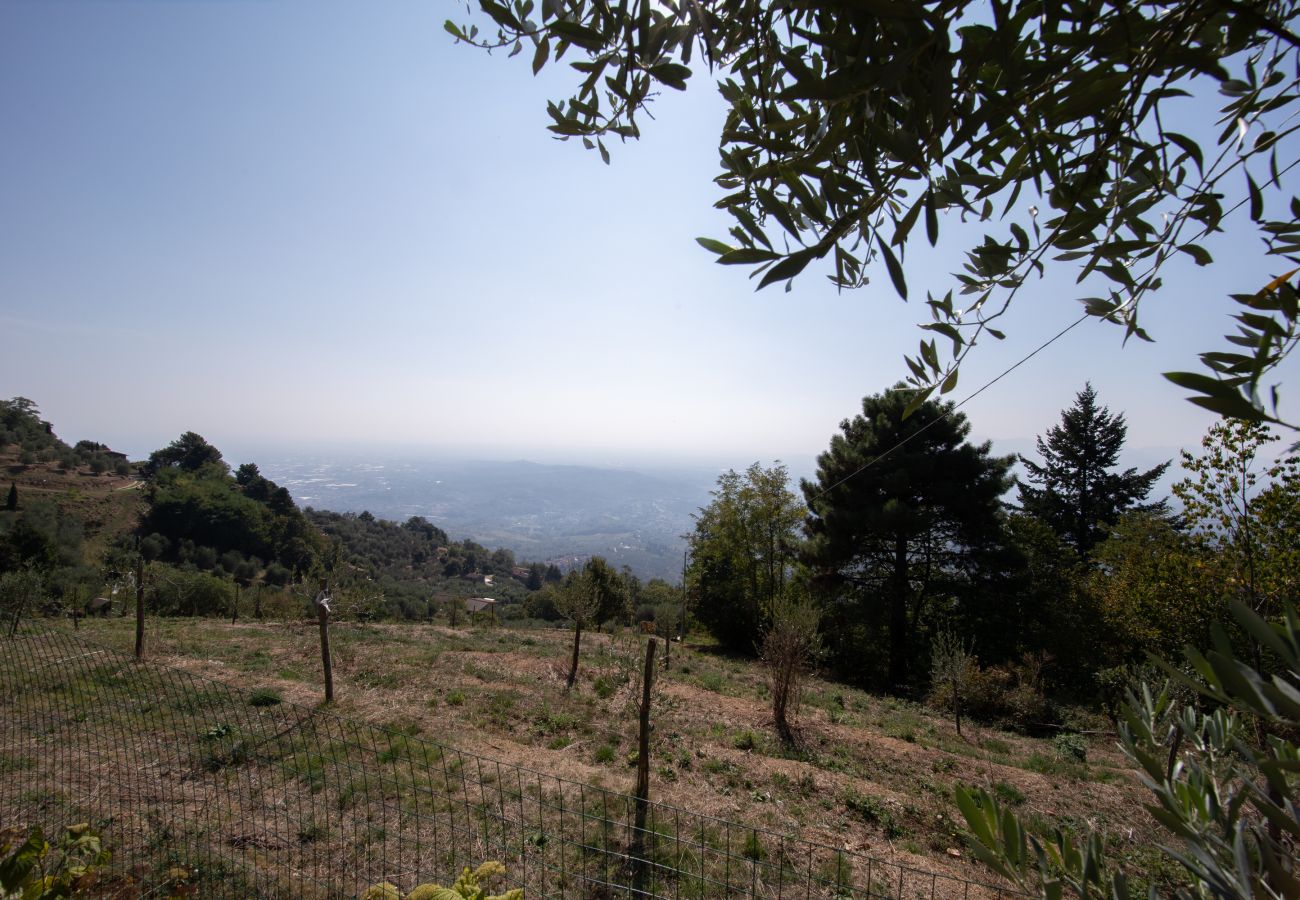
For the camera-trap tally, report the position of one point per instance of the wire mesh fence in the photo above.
(208, 790)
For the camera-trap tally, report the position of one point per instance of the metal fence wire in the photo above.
(201, 791)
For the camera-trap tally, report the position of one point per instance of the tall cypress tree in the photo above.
(11, 503)
(1074, 490)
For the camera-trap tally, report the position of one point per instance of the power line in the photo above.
(956, 406)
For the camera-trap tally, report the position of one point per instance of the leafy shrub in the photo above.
(744, 740)
(605, 754)
(30, 868)
(1072, 746)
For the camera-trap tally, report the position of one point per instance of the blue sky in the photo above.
(291, 225)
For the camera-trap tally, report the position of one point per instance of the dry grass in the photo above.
(870, 775)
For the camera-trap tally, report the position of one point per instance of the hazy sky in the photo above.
(310, 224)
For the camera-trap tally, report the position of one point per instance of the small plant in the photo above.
(753, 848)
(30, 868)
(312, 832)
(1008, 793)
(605, 754)
(603, 687)
(744, 740)
(469, 886)
(216, 732)
(1071, 746)
(952, 669)
(265, 697)
(456, 698)
(873, 812)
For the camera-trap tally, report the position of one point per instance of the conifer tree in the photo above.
(11, 503)
(1074, 490)
(904, 514)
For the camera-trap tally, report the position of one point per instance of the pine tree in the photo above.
(12, 502)
(903, 515)
(1076, 492)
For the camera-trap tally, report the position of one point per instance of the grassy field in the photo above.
(869, 774)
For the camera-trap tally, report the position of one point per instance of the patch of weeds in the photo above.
(480, 673)
(943, 764)
(265, 697)
(1071, 746)
(753, 848)
(551, 722)
(218, 731)
(993, 745)
(312, 832)
(500, 708)
(872, 811)
(744, 740)
(667, 773)
(1008, 793)
(15, 763)
(604, 688)
(902, 732)
(456, 698)
(605, 754)
(1055, 765)
(712, 681)
(559, 743)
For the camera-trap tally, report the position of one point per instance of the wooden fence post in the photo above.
(638, 850)
(323, 615)
(139, 607)
(19, 608)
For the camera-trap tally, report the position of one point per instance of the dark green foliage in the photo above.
(11, 501)
(189, 452)
(181, 592)
(1074, 490)
(1220, 768)
(894, 540)
(21, 423)
(742, 550)
(41, 536)
(199, 514)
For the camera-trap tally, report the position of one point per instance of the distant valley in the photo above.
(543, 512)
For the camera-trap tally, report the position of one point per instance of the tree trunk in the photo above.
(573, 667)
(139, 608)
(323, 616)
(642, 794)
(898, 618)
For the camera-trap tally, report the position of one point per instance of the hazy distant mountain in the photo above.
(540, 511)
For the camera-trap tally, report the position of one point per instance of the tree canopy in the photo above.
(1053, 124)
(1074, 490)
(742, 549)
(900, 512)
